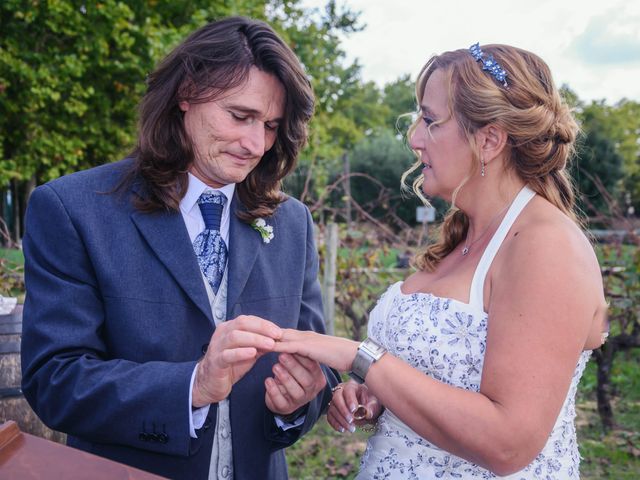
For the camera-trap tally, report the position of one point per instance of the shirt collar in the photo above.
(197, 187)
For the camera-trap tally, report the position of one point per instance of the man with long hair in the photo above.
(149, 280)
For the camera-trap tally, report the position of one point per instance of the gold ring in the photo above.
(360, 413)
(336, 388)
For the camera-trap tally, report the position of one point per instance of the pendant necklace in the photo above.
(467, 246)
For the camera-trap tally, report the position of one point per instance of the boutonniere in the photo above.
(265, 231)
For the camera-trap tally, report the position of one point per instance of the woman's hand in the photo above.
(335, 352)
(352, 405)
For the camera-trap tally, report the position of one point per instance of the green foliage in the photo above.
(325, 453)
(69, 77)
(12, 255)
(383, 157)
(399, 96)
(615, 455)
(622, 288)
(365, 268)
(609, 150)
(11, 273)
(597, 158)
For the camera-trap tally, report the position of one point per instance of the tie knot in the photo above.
(211, 205)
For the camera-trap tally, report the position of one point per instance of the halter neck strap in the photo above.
(477, 284)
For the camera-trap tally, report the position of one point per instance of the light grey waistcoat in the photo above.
(221, 465)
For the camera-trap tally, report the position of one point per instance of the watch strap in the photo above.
(368, 352)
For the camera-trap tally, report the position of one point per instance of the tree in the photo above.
(383, 158)
(627, 137)
(597, 159)
(609, 148)
(69, 75)
(399, 96)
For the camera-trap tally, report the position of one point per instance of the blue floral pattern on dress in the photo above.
(446, 339)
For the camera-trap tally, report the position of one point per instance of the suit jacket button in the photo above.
(204, 348)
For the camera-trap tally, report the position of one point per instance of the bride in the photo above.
(471, 364)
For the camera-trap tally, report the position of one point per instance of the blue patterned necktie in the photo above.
(209, 245)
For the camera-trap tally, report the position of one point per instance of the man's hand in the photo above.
(234, 348)
(298, 380)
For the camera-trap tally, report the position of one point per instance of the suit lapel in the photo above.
(167, 236)
(244, 245)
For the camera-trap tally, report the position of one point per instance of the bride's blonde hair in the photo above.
(540, 127)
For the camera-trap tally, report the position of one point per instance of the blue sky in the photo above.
(593, 46)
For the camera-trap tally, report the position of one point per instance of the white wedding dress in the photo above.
(446, 339)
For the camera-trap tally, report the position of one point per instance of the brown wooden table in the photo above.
(26, 457)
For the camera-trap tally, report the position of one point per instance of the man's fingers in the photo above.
(235, 338)
(305, 376)
(235, 355)
(276, 398)
(294, 390)
(282, 388)
(251, 323)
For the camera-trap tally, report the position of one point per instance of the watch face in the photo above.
(373, 348)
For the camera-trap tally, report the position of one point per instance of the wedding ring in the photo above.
(336, 388)
(360, 413)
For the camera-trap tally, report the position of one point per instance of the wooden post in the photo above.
(347, 190)
(329, 280)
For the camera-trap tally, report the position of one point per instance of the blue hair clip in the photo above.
(489, 64)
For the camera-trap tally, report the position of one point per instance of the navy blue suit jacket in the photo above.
(116, 317)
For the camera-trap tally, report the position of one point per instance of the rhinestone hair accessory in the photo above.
(489, 64)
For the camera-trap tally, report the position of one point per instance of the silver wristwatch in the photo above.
(369, 351)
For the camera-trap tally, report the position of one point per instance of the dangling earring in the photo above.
(482, 167)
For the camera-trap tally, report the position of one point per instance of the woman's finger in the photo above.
(351, 396)
(338, 422)
(339, 402)
(334, 424)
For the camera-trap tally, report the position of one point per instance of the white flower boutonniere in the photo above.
(265, 231)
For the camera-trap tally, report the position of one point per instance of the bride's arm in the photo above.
(542, 306)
